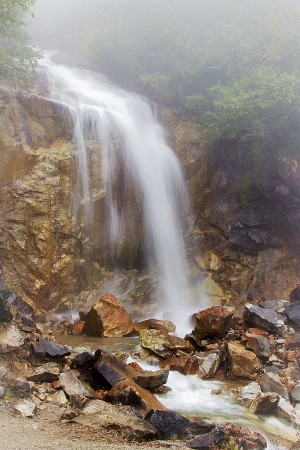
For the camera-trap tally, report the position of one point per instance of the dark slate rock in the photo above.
(27, 320)
(209, 440)
(38, 349)
(253, 239)
(171, 425)
(6, 299)
(275, 305)
(52, 349)
(109, 373)
(83, 361)
(264, 318)
(20, 388)
(295, 295)
(293, 313)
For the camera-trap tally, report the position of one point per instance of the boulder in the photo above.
(259, 344)
(295, 295)
(83, 361)
(287, 411)
(26, 408)
(265, 403)
(243, 362)
(249, 393)
(74, 387)
(185, 364)
(212, 322)
(275, 305)
(44, 347)
(209, 362)
(99, 414)
(293, 313)
(127, 392)
(10, 338)
(171, 425)
(155, 324)
(77, 328)
(245, 438)
(108, 318)
(264, 318)
(163, 344)
(213, 439)
(295, 394)
(45, 373)
(271, 382)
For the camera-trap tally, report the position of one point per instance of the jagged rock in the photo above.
(213, 439)
(171, 425)
(74, 387)
(286, 411)
(45, 347)
(259, 344)
(108, 318)
(185, 364)
(127, 392)
(209, 362)
(295, 394)
(270, 382)
(97, 413)
(295, 295)
(212, 322)
(155, 324)
(293, 313)
(10, 339)
(245, 438)
(243, 362)
(83, 361)
(265, 403)
(46, 373)
(20, 388)
(292, 342)
(163, 344)
(77, 328)
(264, 318)
(275, 305)
(26, 408)
(58, 398)
(249, 393)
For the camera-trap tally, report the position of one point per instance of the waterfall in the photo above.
(103, 113)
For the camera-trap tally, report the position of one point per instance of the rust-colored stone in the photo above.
(212, 322)
(187, 365)
(77, 328)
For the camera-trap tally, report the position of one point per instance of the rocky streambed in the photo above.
(235, 368)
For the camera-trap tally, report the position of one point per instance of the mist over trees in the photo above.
(233, 65)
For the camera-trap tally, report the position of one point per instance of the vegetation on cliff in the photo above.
(17, 55)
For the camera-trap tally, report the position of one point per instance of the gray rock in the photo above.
(275, 305)
(3, 373)
(264, 318)
(10, 339)
(26, 408)
(295, 394)
(209, 362)
(293, 313)
(249, 393)
(271, 382)
(20, 388)
(287, 412)
(259, 344)
(74, 387)
(46, 373)
(265, 403)
(58, 398)
(2, 391)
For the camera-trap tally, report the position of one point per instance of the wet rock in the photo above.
(213, 439)
(155, 324)
(270, 382)
(243, 362)
(185, 364)
(293, 313)
(287, 411)
(10, 339)
(171, 425)
(259, 344)
(295, 394)
(20, 388)
(295, 295)
(77, 328)
(212, 322)
(160, 390)
(73, 386)
(127, 392)
(249, 393)
(209, 362)
(245, 438)
(26, 408)
(46, 373)
(163, 344)
(265, 403)
(45, 347)
(275, 305)
(264, 318)
(83, 361)
(58, 398)
(108, 318)
(97, 413)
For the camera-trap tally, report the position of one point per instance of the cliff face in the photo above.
(246, 213)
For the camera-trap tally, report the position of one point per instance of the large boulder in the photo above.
(108, 318)
(270, 382)
(243, 362)
(264, 318)
(212, 322)
(163, 344)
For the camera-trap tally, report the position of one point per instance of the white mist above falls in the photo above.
(104, 114)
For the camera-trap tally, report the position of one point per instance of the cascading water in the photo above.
(103, 113)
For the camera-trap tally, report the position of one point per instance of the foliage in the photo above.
(17, 56)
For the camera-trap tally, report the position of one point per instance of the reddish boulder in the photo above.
(108, 318)
(77, 328)
(212, 322)
(185, 364)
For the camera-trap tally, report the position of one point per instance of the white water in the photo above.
(103, 113)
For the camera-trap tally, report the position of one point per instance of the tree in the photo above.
(17, 55)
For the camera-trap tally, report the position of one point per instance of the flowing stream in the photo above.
(102, 113)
